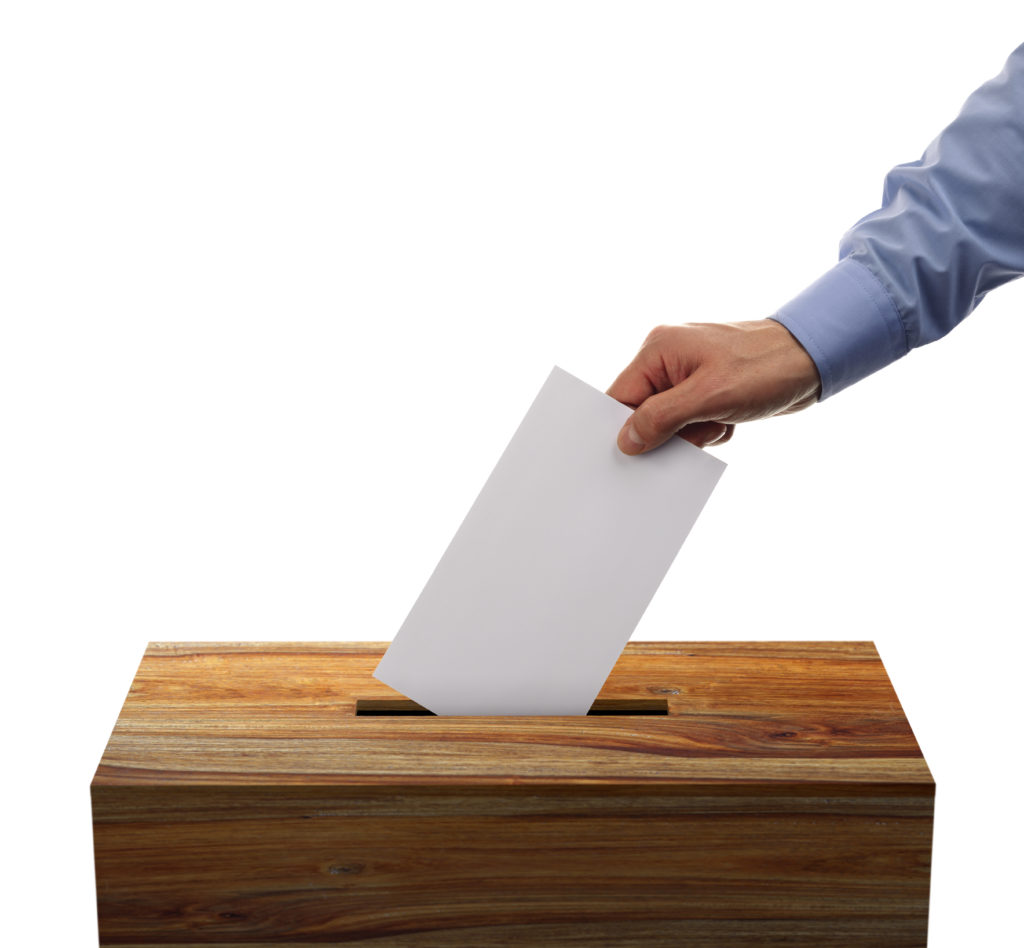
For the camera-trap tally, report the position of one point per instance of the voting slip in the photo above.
(553, 566)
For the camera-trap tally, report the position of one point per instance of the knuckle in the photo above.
(655, 420)
(658, 333)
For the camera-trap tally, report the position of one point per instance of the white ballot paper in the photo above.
(555, 563)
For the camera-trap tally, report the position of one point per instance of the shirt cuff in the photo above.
(848, 324)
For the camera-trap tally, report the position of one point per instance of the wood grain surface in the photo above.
(782, 800)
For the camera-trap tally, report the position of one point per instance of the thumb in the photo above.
(659, 417)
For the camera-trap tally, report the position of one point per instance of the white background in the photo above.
(278, 280)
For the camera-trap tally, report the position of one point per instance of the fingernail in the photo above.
(633, 437)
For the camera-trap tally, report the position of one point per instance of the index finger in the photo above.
(633, 385)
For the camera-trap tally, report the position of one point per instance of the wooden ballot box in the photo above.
(718, 794)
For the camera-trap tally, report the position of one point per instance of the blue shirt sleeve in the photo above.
(951, 228)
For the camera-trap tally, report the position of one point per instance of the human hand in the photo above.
(701, 379)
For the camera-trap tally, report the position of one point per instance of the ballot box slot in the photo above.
(403, 707)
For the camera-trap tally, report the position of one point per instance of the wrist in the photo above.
(848, 323)
(793, 362)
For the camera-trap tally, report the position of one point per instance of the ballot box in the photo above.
(718, 794)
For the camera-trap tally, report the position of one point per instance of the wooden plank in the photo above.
(673, 933)
(257, 713)
(342, 867)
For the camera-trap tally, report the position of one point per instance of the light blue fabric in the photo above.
(951, 228)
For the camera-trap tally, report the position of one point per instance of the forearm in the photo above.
(951, 228)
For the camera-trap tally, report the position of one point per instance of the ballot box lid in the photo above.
(679, 714)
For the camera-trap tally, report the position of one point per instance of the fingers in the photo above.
(704, 434)
(725, 438)
(670, 392)
(646, 374)
(659, 417)
(632, 386)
